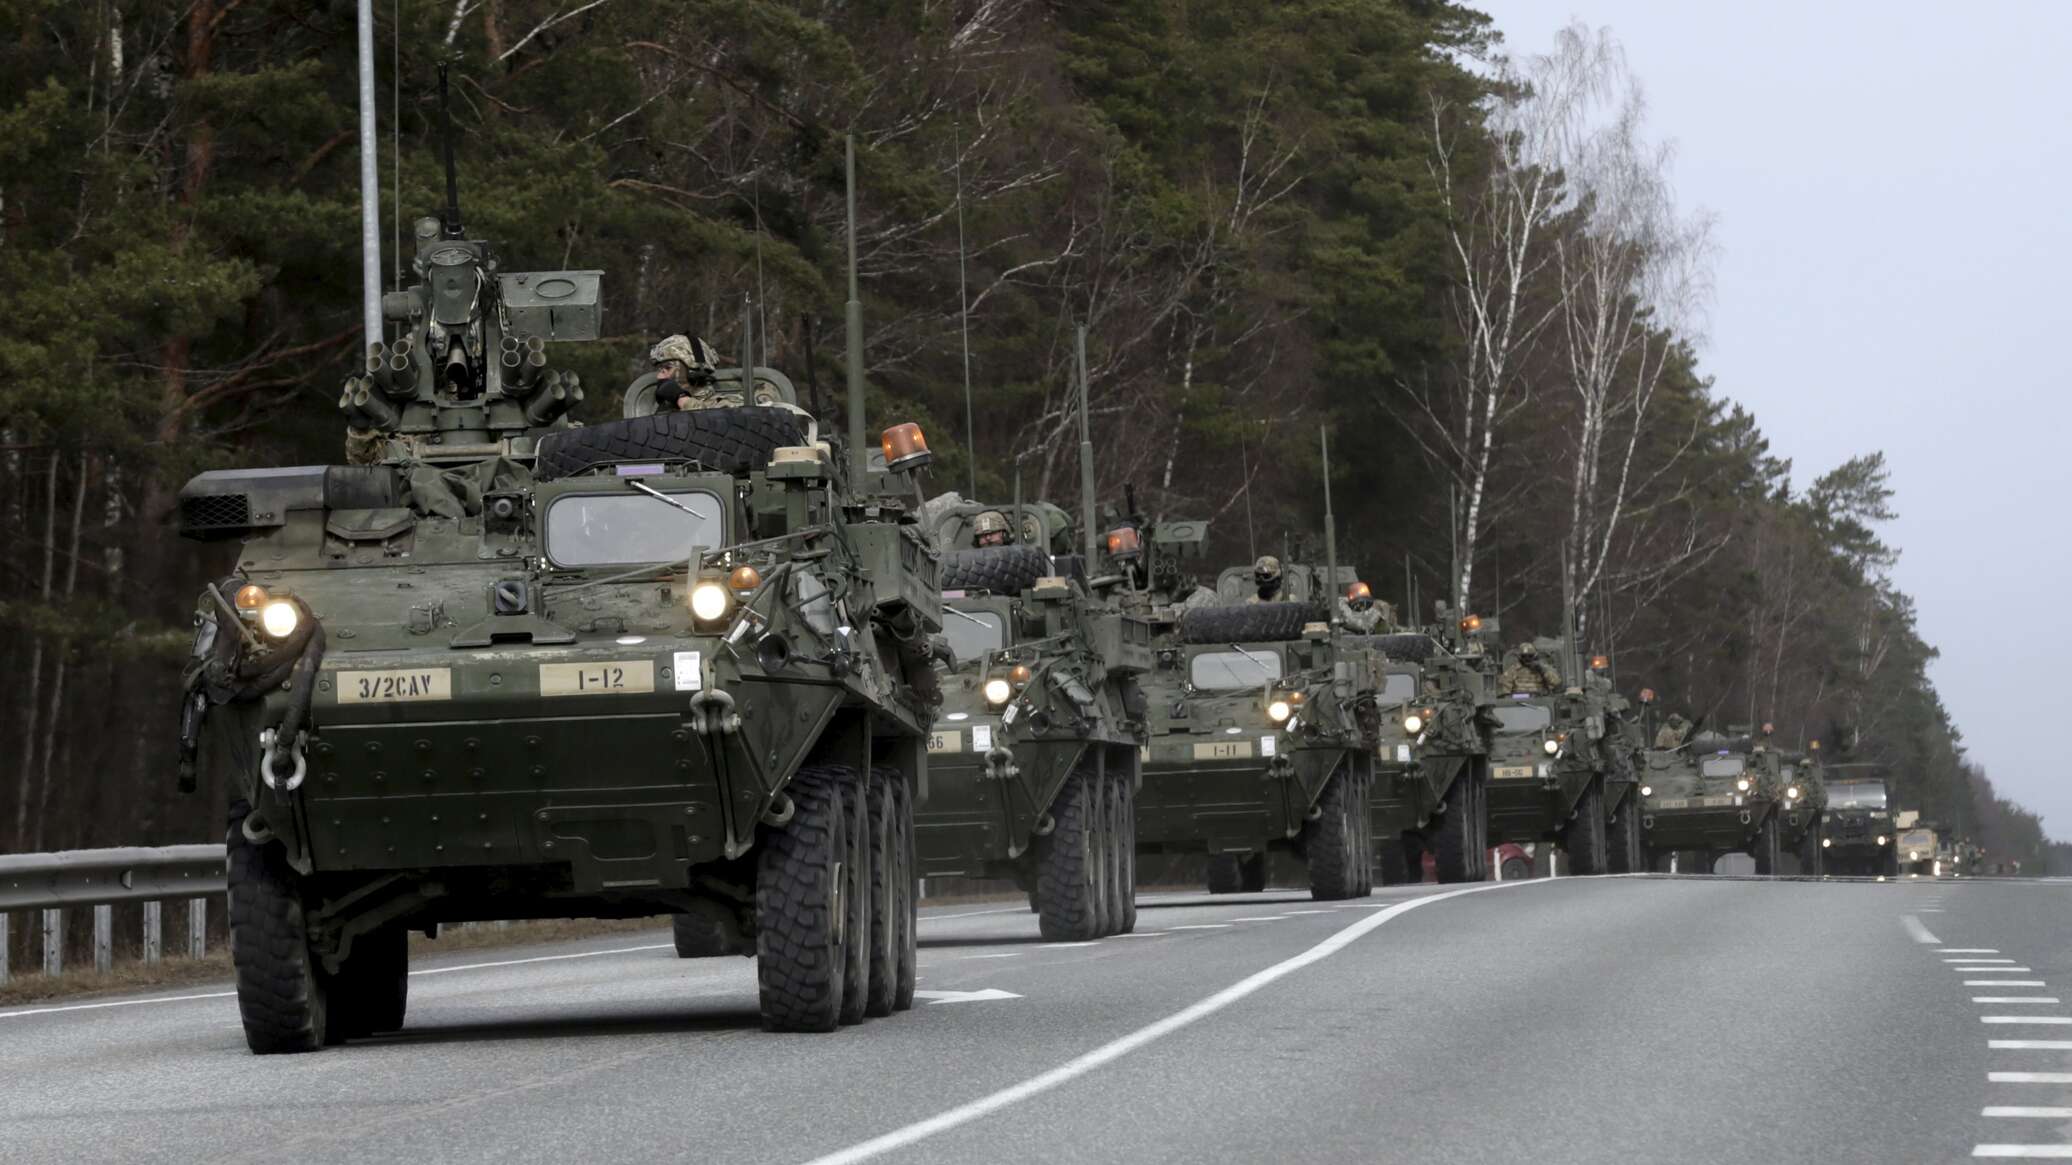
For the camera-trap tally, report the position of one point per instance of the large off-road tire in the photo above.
(1103, 842)
(1122, 910)
(1622, 837)
(1887, 863)
(371, 991)
(1248, 623)
(1812, 858)
(1458, 842)
(857, 901)
(800, 945)
(732, 440)
(886, 840)
(1397, 862)
(282, 997)
(1068, 863)
(1331, 839)
(906, 943)
(1584, 838)
(1768, 850)
(1226, 873)
(1363, 825)
(1003, 570)
(1404, 647)
(701, 936)
(1252, 873)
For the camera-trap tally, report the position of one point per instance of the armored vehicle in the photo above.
(510, 668)
(1438, 799)
(1557, 762)
(1805, 803)
(1034, 766)
(1712, 795)
(1857, 829)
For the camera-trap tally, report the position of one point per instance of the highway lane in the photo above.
(1694, 1019)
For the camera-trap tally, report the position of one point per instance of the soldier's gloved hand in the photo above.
(670, 396)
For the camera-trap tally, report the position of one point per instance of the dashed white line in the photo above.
(1931, 910)
(1968, 951)
(2031, 1152)
(1008, 955)
(2004, 983)
(1143, 934)
(1204, 926)
(1261, 918)
(1992, 970)
(2014, 999)
(1915, 928)
(116, 1003)
(2030, 1045)
(1309, 912)
(2029, 1077)
(2056, 1019)
(543, 959)
(1978, 960)
(2048, 1112)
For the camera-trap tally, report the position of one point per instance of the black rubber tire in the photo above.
(281, 996)
(1392, 862)
(1331, 839)
(1887, 864)
(1622, 837)
(1248, 623)
(1403, 647)
(371, 991)
(1003, 570)
(1251, 877)
(907, 911)
(1102, 840)
(883, 953)
(1363, 826)
(1583, 840)
(1122, 906)
(1457, 841)
(857, 901)
(799, 945)
(1068, 863)
(1768, 850)
(699, 936)
(1226, 873)
(732, 440)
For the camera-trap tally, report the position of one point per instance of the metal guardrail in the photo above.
(102, 877)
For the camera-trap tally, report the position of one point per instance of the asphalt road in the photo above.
(1612, 1019)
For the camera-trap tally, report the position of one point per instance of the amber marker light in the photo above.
(1357, 592)
(1018, 674)
(905, 447)
(1647, 695)
(1599, 663)
(1471, 624)
(745, 578)
(1123, 542)
(250, 598)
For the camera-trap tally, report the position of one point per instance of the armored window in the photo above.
(1723, 766)
(1224, 671)
(625, 529)
(1517, 719)
(1398, 688)
(973, 633)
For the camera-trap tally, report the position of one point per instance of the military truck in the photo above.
(1915, 846)
(1438, 801)
(513, 668)
(1712, 795)
(1034, 766)
(1857, 829)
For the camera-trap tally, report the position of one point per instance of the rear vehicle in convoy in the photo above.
(1917, 849)
(1711, 796)
(1857, 829)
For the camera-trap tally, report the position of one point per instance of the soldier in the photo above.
(990, 529)
(683, 376)
(1356, 609)
(1266, 575)
(1527, 672)
(1671, 734)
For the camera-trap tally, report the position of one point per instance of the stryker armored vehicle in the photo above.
(512, 669)
(1712, 795)
(1439, 802)
(1857, 830)
(1034, 764)
(1805, 803)
(1553, 761)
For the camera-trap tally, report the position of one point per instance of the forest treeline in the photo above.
(1465, 257)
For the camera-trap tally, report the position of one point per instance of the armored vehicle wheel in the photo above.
(1398, 861)
(1122, 913)
(1622, 837)
(800, 945)
(1363, 834)
(1331, 839)
(370, 993)
(1458, 847)
(1408, 648)
(699, 936)
(1033, 907)
(1767, 850)
(1812, 858)
(906, 912)
(1101, 843)
(1584, 839)
(1226, 873)
(1251, 876)
(1003, 570)
(1887, 864)
(887, 840)
(731, 440)
(280, 995)
(1068, 863)
(859, 905)
(1250, 623)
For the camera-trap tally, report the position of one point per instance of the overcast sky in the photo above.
(1893, 184)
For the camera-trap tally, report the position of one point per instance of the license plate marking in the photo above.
(1673, 803)
(946, 740)
(1510, 772)
(1223, 750)
(604, 678)
(395, 687)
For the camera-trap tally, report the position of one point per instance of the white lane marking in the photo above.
(1978, 960)
(1992, 970)
(2030, 1045)
(2029, 1077)
(1097, 942)
(2004, 983)
(1114, 1050)
(1143, 934)
(1008, 955)
(2046, 1111)
(2014, 999)
(1915, 928)
(543, 959)
(1262, 918)
(1204, 926)
(986, 995)
(1967, 951)
(976, 913)
(116, 1003)
(2057, 1019)
(1309, 912)
(1931, 910)
(2032, 1152)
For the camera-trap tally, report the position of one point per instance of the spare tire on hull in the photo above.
(1250, 623)
(1003, 570)
(732, 440)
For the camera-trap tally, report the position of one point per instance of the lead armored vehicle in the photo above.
(511, 668)
(1857, 829)
(1712, 795)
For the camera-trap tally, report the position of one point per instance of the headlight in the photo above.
(1881, 839)
(709, 601)
(1826, 842)
(1742, 784)
(1647, 790)
(1278, 711)
(279, 618)
(1793, 791)
(1413, 724)
(997, 691)
(1551, 746)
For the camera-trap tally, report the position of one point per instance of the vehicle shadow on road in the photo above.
(574, 1026)
(1227, 900)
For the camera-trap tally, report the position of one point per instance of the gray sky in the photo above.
(1893, 183)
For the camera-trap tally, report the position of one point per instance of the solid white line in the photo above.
(2035, 1152)
(1309, 912)
(1967, 951)
(976, 913)
(543, 959)
(1202, 926)
(2057, 1019)
(2030, 1045)
(1978, 960)
(1008, 955)
(1114, 1050)
(2004, 983)
(1262, 918)
(1069, 946)
(2029, 1077)
(2046, 1111)
(1915, 928)
(2014, 999)
(1142, 934)
(116, 1003)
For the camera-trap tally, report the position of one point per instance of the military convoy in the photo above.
(1857, 829)
(1562, 767)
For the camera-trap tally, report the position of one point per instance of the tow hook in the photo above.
(1000, 764)
(712, 714)
(269, 753)
(1744, 817)
(778, 815)
(1280, 768)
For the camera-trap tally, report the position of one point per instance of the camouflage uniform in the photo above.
(364, 446)
(1671, 734)
(1266, 575)
(1528, 673)
(990, 522)
(1362, 621)
(691, 387)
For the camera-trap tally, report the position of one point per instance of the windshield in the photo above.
(973, 633)
(1398, 688)
(1513, 719)
(1857, 795)
(1723, 766)
(1223, 671)
(622, 529)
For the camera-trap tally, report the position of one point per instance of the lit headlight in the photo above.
(1551, 746)
(1278, 711)
(1913, 855)
(1742, 784)
(1647, 790)
(1826, 842)
(1792, 792)
(710, 600)
(997, 691)
(1881, 839)
(279, 618)
(1413, 724)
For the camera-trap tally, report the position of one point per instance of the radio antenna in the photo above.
(964, 317)
(452, 224)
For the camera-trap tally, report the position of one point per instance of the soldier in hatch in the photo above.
(1266, 576)
(1527, 672)
(990, 529)
(1671, 734)
(683, 376)
(1357, 609)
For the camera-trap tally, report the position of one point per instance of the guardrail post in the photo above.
(104, 938)
(53, 942)
(197, 927)
(152, 932)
